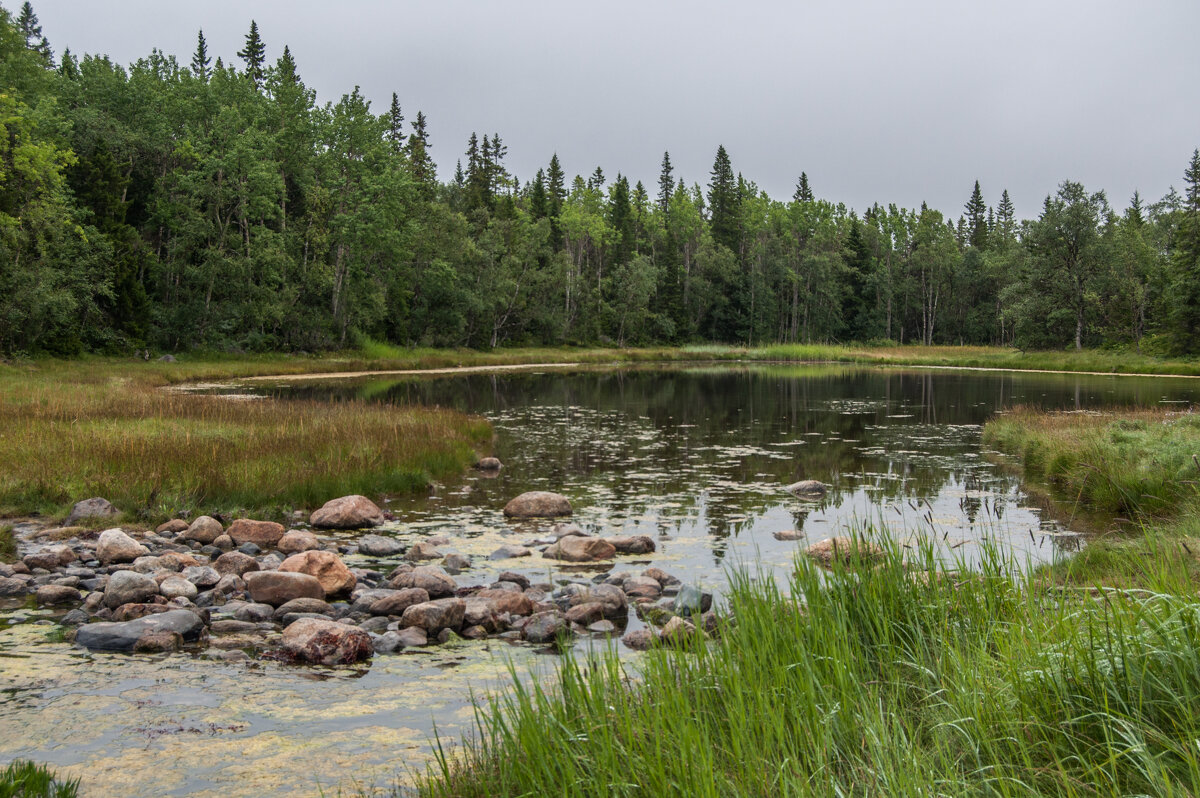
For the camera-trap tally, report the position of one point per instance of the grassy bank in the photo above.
(98, 428)
(876, 682)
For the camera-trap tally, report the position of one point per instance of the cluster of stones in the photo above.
(287, 594)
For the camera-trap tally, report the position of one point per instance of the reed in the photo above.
(23, 779)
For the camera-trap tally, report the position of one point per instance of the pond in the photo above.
(696, 457)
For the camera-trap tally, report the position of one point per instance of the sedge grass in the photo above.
(869, 681)
(67, 434)
(24, 779)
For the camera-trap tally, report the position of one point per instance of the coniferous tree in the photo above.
(395, 131)
(803, 193)
(423, 170)
(1185, 265)
(666, 184)
(723, 202)
(976, 219)
(254, 54)
(31, 29)
(201, 59)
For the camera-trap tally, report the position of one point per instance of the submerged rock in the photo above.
(538, 504)
(325, 642)
(489, 464)
(347, 512)
(636, 544)
(807, 488)
(124, 636)
(789, 534)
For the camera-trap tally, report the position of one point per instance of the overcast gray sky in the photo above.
(878, 101)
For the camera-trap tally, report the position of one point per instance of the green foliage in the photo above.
(8, 544)
(24, 779)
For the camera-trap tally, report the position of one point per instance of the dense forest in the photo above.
(216, 205)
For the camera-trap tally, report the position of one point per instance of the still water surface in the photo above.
(695, 457)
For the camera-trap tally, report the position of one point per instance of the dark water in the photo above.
(697, 458)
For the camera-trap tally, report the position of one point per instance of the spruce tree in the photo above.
(723, 201)
(1185, 265)
(976, 219)
(200, 59)
(803, 192)
(27, 22)
(596, 181)
(395, 131)
(556, 183)
(538, 205)
(666, 184)
(423, 170)
(254, 54)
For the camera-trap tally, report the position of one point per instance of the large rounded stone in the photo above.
(326, 566)
(433, 616)
(843, 549)
(308, 605)
(348, 512)
(295, 541)
(115, 546)
(635, 544)
(177, 587)
(128, 587)
(236, 563)
(204, 529)
(125, 636)
(324, 642)
(264, 534)
(173, 527)
(576, 549)
(279, 587)
(544, 627)
(50, 557)
(807, 488)
(513, 602)
(611, 597)
(52, 595)
(430, 578)
(396, 603)
(91, 508)
(379, 546)
(538, 504)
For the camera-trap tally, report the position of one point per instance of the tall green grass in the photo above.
(869, 681)
(22, 779)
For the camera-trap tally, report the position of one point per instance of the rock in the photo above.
(166, 359)
(388, 643)
(203, 530)
(578, 549)
(489, 464)
(567, 530)
(52, 595)
(586, 613)
(422, 550)
(379, 546)
(691, 600)
(230, 627)
(538, 504)
(511, 601)
(172, 527)
(327, 567)
(223, 542)
(115, 546)
(843, 549)
(455, 563)
(254, 613)
(202, 576)
(413, 636)
(544, 627)
(325, 642)
(11, 587)
(123, 636)
(660, 576)
(91, 508)
(641, 587)
(611, 596)
(636, 544)
(74, 618)
(348, 512)
(602, 627)
(433, 616)
(677, 630)
(789, 534)
(126, 587)
(807, 488)
(509, 552)
(304, 604)
(640, 639)
(430, 578)
(236, 563)
(229, 584)
(474, 632)
(177, 586)
(263, 534)
(50, 557)
(279, 587)
(295, 541)
(396, 603)
(129, 612)
(157, 642)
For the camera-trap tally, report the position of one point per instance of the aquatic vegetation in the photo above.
(23, 779)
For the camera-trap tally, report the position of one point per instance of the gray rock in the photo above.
(177, 586)
(640, 639)
(491, 464)
(388, 643)
(807, 488)
(538, 504)
(691, 600)
(376, 625)
(204, 530)
(433, 616)
(396, 602)
(602, 627)
(509, 552)
(114, 546)
(636, 544)
(202, 576)
(53, 595)
(128, 587)
(123, 636)
(310, 605)
(422, 550)
(11, 587)
(413, 636)
(254, 613)
(430, 578)
(544, 627)
(91, 508)
(456, 563)
(379, 546)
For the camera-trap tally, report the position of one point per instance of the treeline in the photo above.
(213, 205)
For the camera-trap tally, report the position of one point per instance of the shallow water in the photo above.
(697, 458)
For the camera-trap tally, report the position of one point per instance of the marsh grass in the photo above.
(23, 779)
(902, 679)
(103, 430)
(8, 544)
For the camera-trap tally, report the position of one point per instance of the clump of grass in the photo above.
(23, 779)
(66, 436)
(868, 681)
(8, 543)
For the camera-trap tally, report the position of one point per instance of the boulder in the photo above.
(579, 549)
(691, 600)
(843, 549)
(610, 596)
(172, 527)
(124, 636)
(422, 550)
(91, 508)
(295, 541)
(807, 488)
(50, 557)
(52, 595)
(115, 546)
(263, 534)
(490, 464)
(640, 639)
(456, 563)
(177, 587)
(279, 587)
(789, 534)
(126, 587)
(511, 601)
(202, 576)
(544, 627)
(327, 567)
(203, 530)
(632, 544)
(236, 563)
(678, 631)
(433, 616)
(430, 578)
(587, 613)
(348, 512)
(641, 587)
(11, 587)
(538, 504)
(379, 546)
(306, 605)
(396, 603)
(509, 552)
(325, 642)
